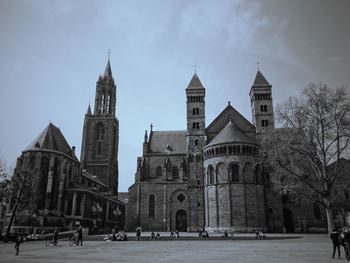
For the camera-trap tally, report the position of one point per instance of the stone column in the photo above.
(49, 183)
(61, 178)
(74, 204)
(107, 210)
(165, 223)
(82, 206)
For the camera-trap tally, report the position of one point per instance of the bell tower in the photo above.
(99, 150)
(261, 103)
(196, 139)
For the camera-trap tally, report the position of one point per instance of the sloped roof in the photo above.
(168, 142)
(195, 83)
(51, 138)
(230, 133)
(221, 121)
(260, 80)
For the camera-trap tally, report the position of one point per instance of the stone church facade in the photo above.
(207, 177)
(62, 191)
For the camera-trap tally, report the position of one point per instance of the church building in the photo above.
(207, 177)
(61, 191)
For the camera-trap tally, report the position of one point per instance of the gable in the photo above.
(223, 118)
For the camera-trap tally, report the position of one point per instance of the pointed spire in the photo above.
(108, 70)
(195, 83)
(88, 112)
(146, 137)
(260, 80)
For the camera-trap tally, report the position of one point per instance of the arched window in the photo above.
(100, 133)
(210, 175)
(175, 172)
(108, 103)
(317, 211)
(159, 171)
(234, 172)
(151, 205)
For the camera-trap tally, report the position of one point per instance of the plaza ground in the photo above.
(245, 248)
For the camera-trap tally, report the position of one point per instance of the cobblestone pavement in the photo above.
(307, 248)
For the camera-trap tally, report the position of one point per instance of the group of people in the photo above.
(116, 236)
(19, 238)
(155, 236)
(175, 234)
(341, 238)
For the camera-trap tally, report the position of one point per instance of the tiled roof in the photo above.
(260, 80)
(168, 142)
(230, 133)
(195, 83)
(51, 138)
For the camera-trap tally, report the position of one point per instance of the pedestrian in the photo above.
(157, 236)
(172, 234)
(336, 240)
(19, 240)
(55, 236)
(346, 242)
(153, 235)
(225, 234)
(177, 233)
(114, 233)
(138, 233)
(80, 235)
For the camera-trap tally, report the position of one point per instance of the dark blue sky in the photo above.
(51, 53)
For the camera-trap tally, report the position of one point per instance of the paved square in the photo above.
(309, 248)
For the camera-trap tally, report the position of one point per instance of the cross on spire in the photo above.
(258, 64)
(195, 68)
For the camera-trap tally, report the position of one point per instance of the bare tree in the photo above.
(315, 134)
(19, 193)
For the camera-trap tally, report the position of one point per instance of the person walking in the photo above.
(138, 233)
(80, 236)
(19, 240)
(55, 236)
(335, 236)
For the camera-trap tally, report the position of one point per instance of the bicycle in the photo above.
(50, 242)
(73, 241)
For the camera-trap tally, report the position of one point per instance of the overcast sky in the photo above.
(52, 52)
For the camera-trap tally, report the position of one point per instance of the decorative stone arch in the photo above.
(258, 174)
(178, 201)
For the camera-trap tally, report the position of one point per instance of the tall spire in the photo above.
(108, 70)
(88, 112)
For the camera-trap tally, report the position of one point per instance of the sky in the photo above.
(52, 52)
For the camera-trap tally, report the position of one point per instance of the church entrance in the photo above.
(288, 220)
(181, 220)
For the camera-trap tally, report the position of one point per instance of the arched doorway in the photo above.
(181, 220)
(288, 220)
